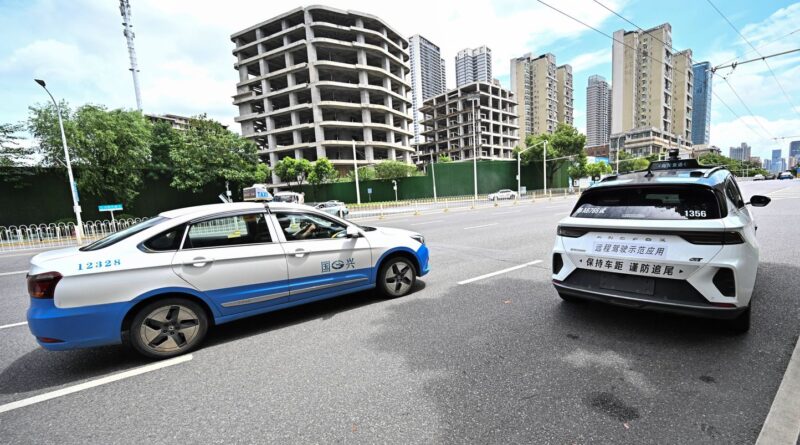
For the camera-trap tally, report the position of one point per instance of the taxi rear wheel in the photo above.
(167, 328)
(396, 277)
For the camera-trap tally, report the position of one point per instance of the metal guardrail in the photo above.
(41, 236)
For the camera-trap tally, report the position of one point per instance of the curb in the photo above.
(782, 425)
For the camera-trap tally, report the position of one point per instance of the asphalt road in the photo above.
(496, 360)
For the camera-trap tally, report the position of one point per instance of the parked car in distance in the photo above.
(758, 177)
(503, 194)
(336, 208)
(290, 197)
(770, 176)
(785, 175)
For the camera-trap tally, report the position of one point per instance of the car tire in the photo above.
(740, 324)
(168, 328)
(396, 277)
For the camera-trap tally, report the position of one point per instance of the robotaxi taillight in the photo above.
(43, 285)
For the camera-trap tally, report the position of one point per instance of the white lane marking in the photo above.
(426, 222)
(783, 420)
(13, 273)
(478, 227)
(507, 213)
(92, 383)
(557, 207)
(492, 274)
(561, 214)
(13, 325)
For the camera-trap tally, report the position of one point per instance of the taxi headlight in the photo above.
(419, 238)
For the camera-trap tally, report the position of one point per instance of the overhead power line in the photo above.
(788, 99)
(762, 47)
(648, 55)
(735, 64)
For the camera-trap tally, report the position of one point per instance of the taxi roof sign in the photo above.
(256, 193)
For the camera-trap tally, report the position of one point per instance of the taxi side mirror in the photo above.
(352, 232)
(759, 200)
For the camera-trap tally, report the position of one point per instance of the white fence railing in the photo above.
(42, 236)
(39, 236)
(419, 206)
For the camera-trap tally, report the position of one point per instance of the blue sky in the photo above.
(187, 68)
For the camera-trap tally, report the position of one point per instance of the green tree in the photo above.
(291, 170)
(322, 171)
(565, 142)
(364, 174)
(598, 169)
(107, 147)
(737, 167)
(445, 159)
(394, 170)
(629, 163)
(163, 139)
(11, 152)
(210, 152)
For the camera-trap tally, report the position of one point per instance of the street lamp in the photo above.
(355, 171)
(519, 154)
(475, 142)
(72, 187)
(433, 173)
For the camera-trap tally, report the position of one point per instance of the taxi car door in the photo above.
(321, 259)
(236, 260)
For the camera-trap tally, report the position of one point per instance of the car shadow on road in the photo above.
(508, 361)
(41, 369)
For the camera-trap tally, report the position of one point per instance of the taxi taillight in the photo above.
(43, 285)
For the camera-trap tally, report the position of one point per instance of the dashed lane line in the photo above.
(498, 272)
(14, 325)
(94, 383)
(13, 273)
(480, 226)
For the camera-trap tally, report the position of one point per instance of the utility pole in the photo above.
(355, 171)
(433, 173)
(475, 145)
(125, 10)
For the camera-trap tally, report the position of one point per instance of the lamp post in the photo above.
(519, 155)
(72, 187)
(433, 173)
(475, 144)
(355, 171)
(544, 168)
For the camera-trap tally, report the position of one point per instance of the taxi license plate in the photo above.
(628, 283)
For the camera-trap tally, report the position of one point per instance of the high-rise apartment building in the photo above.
(543, 91)
(701, 103)
(646, 75)
(473, 65)
(598, 107)
(315, 81)
(794, 149)
(427, 76)
(740, 153)
(450, 123)
(565, 97)
(778, 163)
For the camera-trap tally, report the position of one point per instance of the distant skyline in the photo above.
(184, 51)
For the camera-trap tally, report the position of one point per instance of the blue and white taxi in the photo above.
(160, 284)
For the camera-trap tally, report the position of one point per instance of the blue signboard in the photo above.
(109, 208)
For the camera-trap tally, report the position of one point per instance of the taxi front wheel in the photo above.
(396, 277)
(168, 327)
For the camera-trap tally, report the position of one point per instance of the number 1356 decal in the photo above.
(695, 213)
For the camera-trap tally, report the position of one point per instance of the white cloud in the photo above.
(585, 61)
(749, 129)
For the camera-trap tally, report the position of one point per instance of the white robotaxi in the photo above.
(677, 237)
(160, 284)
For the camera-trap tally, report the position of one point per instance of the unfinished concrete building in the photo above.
(314, 80)
(449, 119)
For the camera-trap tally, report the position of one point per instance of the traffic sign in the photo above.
(109, 207)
